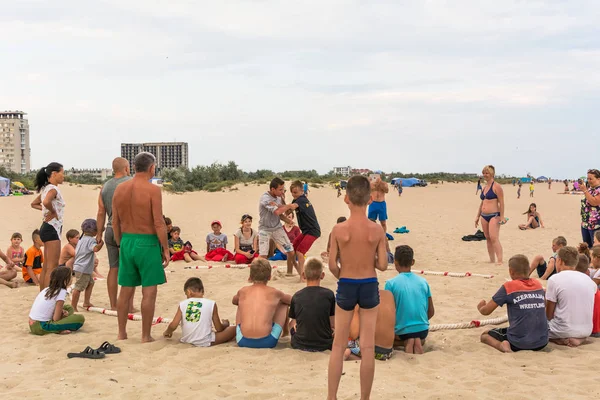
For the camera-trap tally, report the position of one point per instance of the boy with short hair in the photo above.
(524, 299)
(569, 301)
(262, 310)
(34, 258)
(414, 305)
(83, 264)
(15, 252)
(180, 250)
(358, 243)
(216, 244)
(67, 254)
(200, 315)
(312, 311)
(546, 270)
(307, 221)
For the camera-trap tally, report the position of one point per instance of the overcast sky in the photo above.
(412, 86)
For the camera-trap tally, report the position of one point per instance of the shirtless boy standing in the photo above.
(378, 207)
(360, 246)
(141, 234)
(262, 310)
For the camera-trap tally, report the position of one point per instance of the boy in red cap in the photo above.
(216, 244)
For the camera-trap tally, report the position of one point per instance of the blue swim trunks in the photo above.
(267, 342)
(364, 292)
(378, 210)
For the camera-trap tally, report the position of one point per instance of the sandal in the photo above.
(87, 353)
(108, 348)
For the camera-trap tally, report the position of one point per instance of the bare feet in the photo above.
(409, 346)
(133, 310)
(574, 342)
(13, 285)
(499, 263)
(88, 305)
(122, 336)
(418, 346)
(505, 346)
(66, 332)
(149, 339)
(225, 258)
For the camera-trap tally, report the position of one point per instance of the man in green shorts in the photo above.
(141, 233)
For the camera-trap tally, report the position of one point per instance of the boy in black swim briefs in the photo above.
(361, 245)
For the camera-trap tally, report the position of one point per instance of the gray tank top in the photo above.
(108, 191)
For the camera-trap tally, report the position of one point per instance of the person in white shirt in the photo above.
(569, 301)
(197, 316)
(49, 313)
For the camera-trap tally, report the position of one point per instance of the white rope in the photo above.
(467, 325)
(229, 266)
(453, 274)
(132, 317)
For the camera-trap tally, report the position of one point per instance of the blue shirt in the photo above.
(305, 187)
(411, 295)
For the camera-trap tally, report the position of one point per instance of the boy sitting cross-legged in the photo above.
(312, 311)
(262, 310)
(524, 299)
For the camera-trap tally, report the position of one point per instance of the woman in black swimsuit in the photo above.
(491, 214)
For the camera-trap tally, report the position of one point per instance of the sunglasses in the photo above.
(594, 171)
(246, 216)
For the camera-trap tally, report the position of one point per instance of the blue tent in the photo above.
(4, 186)
(542, 178)
(525, 180)
(407, 182)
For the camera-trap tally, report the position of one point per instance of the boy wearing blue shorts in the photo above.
(361, 245)
(414, 305)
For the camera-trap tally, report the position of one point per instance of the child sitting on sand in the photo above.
(49, 313)
(584, 249)
(262, 310)
(34, 258)
(216, 244)
(312, 311)
(594, 269)
(245, 242)
(534, 219)
(15, 252)
(569, 301)
(546, 269)
(292, 231)
(83, 264)
(180, 250)
(414, 304)
(384, 330)
(67, 254)
(583, 266)
(524, 299)
(8, 274)
(200, 315)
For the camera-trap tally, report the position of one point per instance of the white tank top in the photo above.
(196, 321)
(59, 206)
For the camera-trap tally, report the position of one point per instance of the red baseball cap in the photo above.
(216, 222)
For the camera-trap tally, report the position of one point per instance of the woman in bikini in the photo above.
(491, 214)
(534, 219)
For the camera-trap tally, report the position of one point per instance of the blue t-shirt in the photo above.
(411, 294)
(526, 307)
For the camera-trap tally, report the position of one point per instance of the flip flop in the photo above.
(390, 237)
(108, 348)
(87, 353)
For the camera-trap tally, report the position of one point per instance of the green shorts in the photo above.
(140, 261)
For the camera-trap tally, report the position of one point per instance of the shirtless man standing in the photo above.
(120, 168)
(378, 207)
(141, 234)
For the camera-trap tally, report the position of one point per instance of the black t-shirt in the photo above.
(311, 308)
(307, 219)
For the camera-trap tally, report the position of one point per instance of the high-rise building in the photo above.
(15, 153)
(168, 154)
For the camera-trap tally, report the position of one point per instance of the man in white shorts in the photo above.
(272, 211)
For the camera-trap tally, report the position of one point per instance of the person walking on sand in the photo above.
(121, 172)
(141, 233)
(378, 207)
(491, 214)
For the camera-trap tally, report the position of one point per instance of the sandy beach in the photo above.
(455, 366)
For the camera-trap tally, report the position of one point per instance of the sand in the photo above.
(454, 366)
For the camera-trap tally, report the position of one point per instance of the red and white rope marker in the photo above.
(453, 274)
(234, 266)
(432, 328)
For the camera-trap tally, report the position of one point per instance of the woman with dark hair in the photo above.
(534, 219)
(52, 205)
(491, 214)
(590, 207)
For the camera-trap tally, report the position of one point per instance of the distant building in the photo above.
(15, 153)
(342, 171)
(168, 154)
(360, 171)
(98, 173)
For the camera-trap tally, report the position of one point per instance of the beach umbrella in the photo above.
(19, 184)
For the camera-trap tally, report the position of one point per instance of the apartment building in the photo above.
(168, 154)
(15, 152)
(98, 173)
(342, 171)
